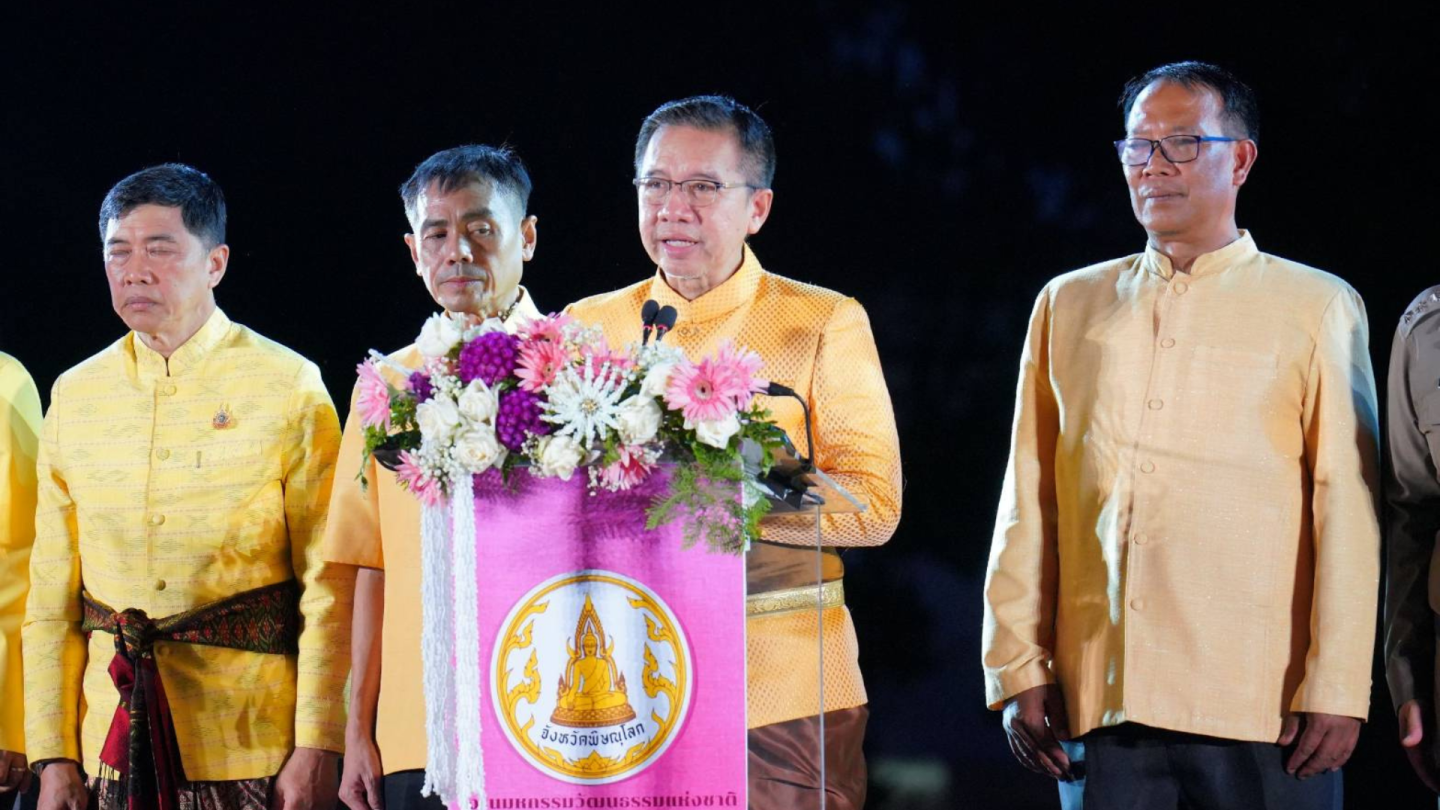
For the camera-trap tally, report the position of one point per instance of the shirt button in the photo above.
(1141, 538)
(1137, 604)
(162, 454)
(159, 584)
(1147, 467)
(167, 390)
(1181, 287)
(1155, 404)
(157, 519)
(1167, 343)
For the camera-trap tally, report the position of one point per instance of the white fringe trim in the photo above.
(436, 641)
(470, 771)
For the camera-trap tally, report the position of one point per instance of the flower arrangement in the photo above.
(554, 398)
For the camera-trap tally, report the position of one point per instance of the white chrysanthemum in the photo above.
(583, 403)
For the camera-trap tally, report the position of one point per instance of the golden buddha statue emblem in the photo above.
(591, 693)
(559, 683)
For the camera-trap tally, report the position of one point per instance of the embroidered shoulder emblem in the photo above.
(1425, 305)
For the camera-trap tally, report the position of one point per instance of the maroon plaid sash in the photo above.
(141, 740)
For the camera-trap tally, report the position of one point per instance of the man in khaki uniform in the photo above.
(1412, 500)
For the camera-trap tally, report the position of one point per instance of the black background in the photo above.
(937, 163)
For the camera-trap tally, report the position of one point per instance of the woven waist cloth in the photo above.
(140, 749)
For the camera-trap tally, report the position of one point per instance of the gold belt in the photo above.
(828, 595)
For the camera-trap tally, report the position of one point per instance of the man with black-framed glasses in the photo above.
(1179, 606)
(704, 169)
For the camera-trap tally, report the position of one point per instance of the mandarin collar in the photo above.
(525, 310)
(188, 356)
(733, 292)
(1206, 264)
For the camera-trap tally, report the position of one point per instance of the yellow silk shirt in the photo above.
(19, 441)
(379, 527)
(1187, 531)
(819, 343)
(165, 486)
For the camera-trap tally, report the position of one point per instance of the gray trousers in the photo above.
(1134, 767)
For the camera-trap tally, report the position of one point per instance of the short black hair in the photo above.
(174, 185)
(461, 165)
(1242, 108)
(717, 114)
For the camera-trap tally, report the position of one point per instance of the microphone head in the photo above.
(648, 312)
(666, 317)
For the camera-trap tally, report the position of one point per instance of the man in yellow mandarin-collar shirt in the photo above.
(1186, 556)
(19, 441)
(184, 473)
(704, 166)
(470, 238)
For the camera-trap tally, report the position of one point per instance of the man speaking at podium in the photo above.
(703, 169)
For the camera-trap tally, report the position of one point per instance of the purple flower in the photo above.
(490, 357)
(518, 415)
(420, 386)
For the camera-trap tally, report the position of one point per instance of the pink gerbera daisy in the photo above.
(373, 401)
(716, 388)
(414, 478)
(539, 362)
(628, 471)
(548, 329)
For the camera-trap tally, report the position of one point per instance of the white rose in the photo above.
(439, 418)
(638, 419)
(478, 403)
(478, 450)
(657, 379)
(558, 456)
(439, 335)
(717, 432)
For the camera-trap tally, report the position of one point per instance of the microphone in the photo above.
(665, 321)
(647, 320)
(775, 389)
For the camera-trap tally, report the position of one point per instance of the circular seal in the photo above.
(591, 677)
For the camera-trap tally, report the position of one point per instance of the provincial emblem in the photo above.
(591, 677)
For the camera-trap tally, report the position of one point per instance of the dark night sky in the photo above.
(937, 164)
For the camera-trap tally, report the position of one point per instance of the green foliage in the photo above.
(708, 496)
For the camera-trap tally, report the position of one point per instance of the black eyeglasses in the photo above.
(698, 192)
(1175, 148)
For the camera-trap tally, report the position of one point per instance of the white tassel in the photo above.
(470, 770)
(436, 640)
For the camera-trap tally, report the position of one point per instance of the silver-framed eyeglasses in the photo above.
(1175, 148)
(698, 192)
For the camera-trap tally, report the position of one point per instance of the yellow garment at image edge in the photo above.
(167, 485)
(19, 442)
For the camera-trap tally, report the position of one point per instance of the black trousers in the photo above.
(402, 792)
(1134, 767)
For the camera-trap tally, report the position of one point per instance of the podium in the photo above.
(593, 658)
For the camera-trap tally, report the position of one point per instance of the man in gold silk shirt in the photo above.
(19, 442)
(470, 238)
(704, 166)
(1185, 561)
(187, 465)
(1412, 516)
